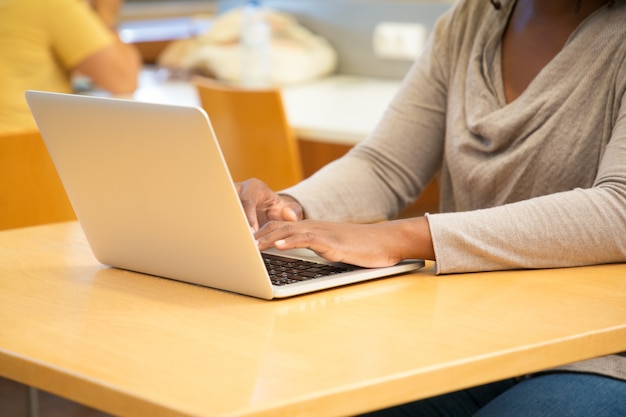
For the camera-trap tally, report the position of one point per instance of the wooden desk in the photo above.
(339, 109)
(137, 345)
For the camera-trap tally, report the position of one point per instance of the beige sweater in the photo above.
(536, 183)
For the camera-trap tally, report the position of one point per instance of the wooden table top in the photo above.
(137, 345)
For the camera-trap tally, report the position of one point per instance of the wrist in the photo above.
(414, 239)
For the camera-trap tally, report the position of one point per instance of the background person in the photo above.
(44, 42)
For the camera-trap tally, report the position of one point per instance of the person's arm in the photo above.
(277, 221)
(116, 67)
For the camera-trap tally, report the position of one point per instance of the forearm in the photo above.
(116, 67)
(109, 13)
(579, 227)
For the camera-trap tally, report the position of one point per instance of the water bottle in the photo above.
(255, 46)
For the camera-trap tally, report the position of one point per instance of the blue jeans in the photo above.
(546, 395)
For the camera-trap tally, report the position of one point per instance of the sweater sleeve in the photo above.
(570, 228)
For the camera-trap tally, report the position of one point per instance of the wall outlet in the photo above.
(400, 41)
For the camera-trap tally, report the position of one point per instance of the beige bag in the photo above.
(296, 54)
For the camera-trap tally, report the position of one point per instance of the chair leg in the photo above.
(32, 402)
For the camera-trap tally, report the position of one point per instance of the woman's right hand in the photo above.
(261, 204)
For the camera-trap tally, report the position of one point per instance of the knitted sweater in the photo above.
(539, 182)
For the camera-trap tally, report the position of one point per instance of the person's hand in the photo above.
(367, 245)
(261, 204)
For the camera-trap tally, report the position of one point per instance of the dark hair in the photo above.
(497, 5)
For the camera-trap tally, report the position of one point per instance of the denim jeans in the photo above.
(545, 395)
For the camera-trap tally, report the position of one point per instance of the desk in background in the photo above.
(338, 109)
(135, 345)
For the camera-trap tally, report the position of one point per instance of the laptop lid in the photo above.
(153, 193)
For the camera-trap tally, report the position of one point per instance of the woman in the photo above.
(519, 108)
(44, 42)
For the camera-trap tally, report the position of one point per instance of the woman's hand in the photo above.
(367, 245)
(261, 204)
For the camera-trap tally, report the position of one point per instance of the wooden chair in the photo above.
(252, 129)
(31, 192)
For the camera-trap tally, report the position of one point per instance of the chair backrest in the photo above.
(31, 192)
(252, 130)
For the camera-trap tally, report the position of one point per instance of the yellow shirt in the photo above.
(40, 42)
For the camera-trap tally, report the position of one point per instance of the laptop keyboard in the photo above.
(283, 270)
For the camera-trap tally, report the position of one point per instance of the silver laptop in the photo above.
(153, 195)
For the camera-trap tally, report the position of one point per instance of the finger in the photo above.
(289, 235)
(248, 195)
(305, 241)
(272, 231)
(249, 208)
